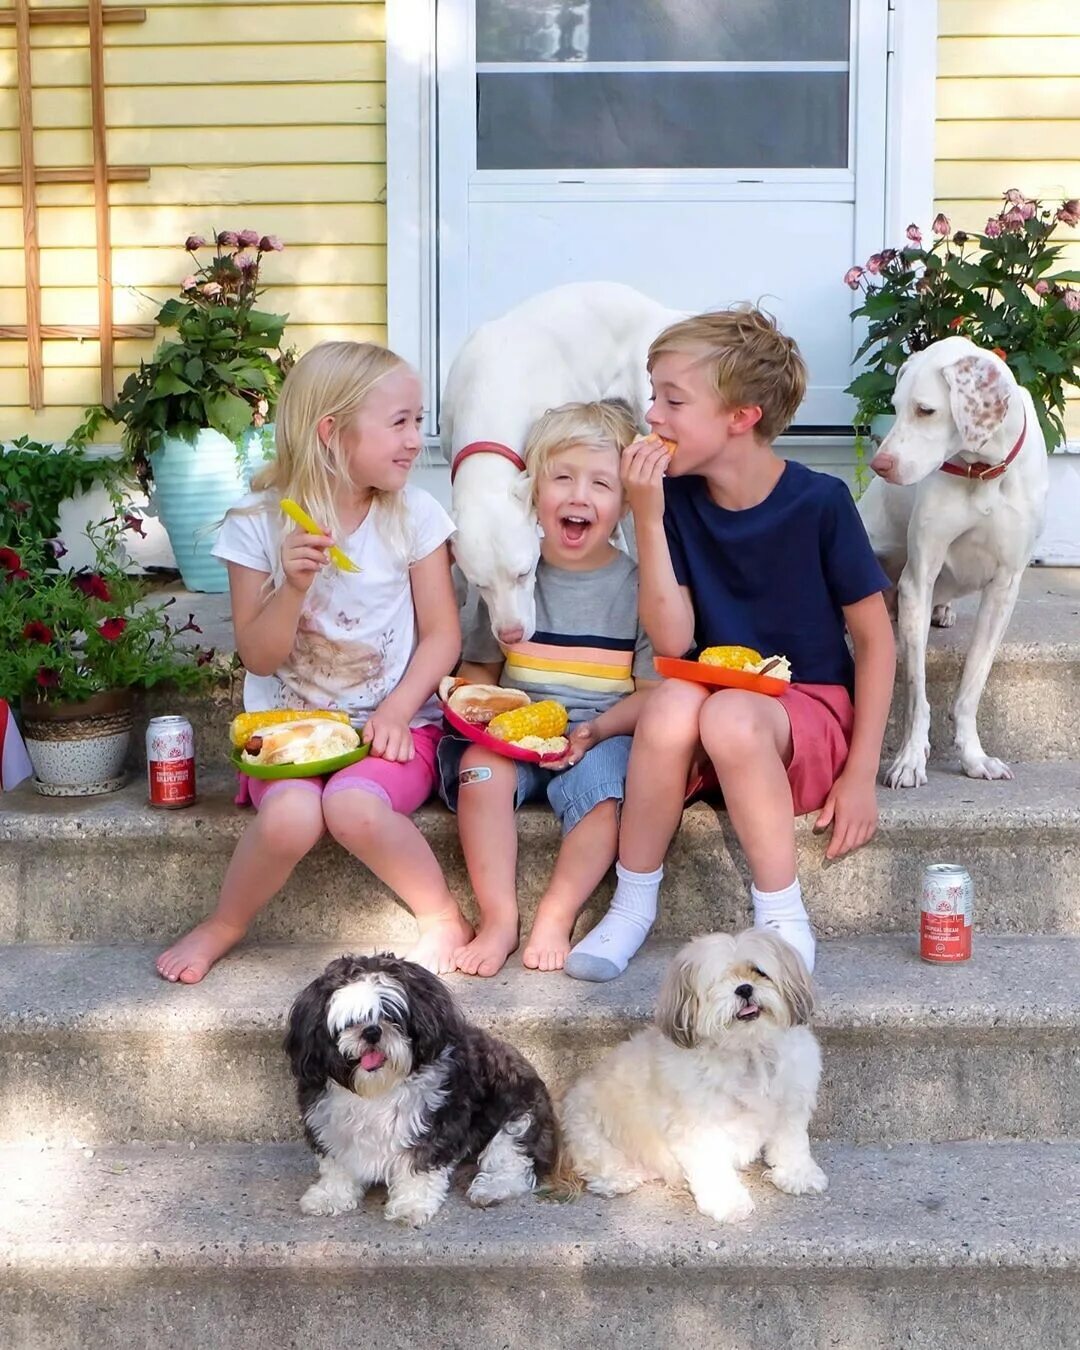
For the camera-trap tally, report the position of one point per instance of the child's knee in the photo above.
(672, 714)
(480, 769)
(291, 824)
(736, 729)
(355, 815)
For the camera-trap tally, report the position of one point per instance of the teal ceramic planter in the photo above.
(194, 485)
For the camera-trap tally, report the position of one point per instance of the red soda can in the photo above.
(948, 895)
(170, 762)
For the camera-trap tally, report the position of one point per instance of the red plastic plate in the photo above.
(674, 668)
(489, 742)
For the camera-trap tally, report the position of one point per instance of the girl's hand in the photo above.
(303, 556)
(644, 464)
(582, 739)
(389, 735)
(852, 811)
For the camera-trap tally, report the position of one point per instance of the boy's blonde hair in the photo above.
(331, 380)
(749, 362)
(605, 425)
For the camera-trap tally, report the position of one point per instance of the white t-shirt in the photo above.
(357, 630)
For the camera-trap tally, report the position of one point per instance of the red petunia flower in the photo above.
(19, 508)
(111, 629)
(10, 560)
(36, 631)
(134, 523)
(93, 585)
(46, 678)
(205, 656)
(191, 626)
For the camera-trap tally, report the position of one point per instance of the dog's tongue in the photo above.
(748, 1010)
(372, 1060)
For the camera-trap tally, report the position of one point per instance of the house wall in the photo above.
(271, 115)
(1008, 111)
(250, 114)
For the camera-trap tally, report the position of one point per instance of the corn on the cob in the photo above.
(731, 658)
(538, 719)
(245, 725)
(301, 517)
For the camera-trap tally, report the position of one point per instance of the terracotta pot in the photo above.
(79, 749)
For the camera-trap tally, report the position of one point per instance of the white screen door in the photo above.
(704, 151)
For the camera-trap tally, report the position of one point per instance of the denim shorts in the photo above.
(599, 776)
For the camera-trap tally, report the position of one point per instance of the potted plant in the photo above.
(998, 287)
(195, 412)
(74, 646)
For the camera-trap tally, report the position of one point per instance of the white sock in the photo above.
(606, 951)
(784, 912)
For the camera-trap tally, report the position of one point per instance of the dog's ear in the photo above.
(521, 489)
(433, 1019)
(307, 1040)
(678, 1008)
(979, 391)
(792, 979)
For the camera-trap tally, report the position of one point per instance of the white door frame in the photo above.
(412, 159)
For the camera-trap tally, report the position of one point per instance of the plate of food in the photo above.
(505, 720)
(730, 668)
(285, 744)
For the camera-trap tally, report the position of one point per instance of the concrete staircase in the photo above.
(149, 1158)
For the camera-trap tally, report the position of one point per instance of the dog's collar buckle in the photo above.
(981, 471)
(485, 448)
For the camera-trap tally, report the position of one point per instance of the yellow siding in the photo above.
(249, 114)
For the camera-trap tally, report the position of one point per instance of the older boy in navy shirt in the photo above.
(739, 546)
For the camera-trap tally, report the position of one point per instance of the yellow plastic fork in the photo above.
(301, 517)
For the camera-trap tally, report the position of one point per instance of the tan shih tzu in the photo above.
(730, 1070)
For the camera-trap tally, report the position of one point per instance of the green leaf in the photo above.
(229, 414)
(168, 382)
(194, 369)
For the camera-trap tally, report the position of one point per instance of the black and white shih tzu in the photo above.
(395, 1086)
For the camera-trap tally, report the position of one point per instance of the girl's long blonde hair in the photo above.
(331, 380)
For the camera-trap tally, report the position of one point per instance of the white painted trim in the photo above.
(653, 67)
(911, 98)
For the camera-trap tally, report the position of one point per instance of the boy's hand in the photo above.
(582, 739)
(852, 811)
(389, 735)
(644, 464)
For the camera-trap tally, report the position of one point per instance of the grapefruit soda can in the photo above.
(170, 762)
(948, 895)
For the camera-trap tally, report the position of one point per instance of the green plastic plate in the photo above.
(309, 770)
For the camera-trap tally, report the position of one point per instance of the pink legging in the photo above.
(403, 787)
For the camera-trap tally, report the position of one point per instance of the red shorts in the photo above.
(403, 787)
(822, 718)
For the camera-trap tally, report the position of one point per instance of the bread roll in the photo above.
(303, 742)
(479, 703)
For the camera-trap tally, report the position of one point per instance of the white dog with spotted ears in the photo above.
(395, 1086)
(729, 1070)
(956, 509)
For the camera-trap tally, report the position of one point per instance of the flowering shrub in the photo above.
(225, 367)
(997, 288)
(68, 635)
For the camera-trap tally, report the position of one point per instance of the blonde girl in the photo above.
(374, 643)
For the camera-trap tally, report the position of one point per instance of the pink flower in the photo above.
(1041, 287)
(248, 238)
(851, 277)
(211, 289)
(245, 261)
(941, 225)
(873, 264)
(914, 234)
(1026, 209)
(1013, 219)
(1072, 300)
(270, 243)
(1069, 212)
(111, 629)
(228, 239)
(994, 228)
(194, 241)
(1014, 196)
(189, 283)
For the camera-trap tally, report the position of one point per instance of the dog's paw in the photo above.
(488, 1188)
(729, 1207)
(908, 769)
(804, 1179)
(317, 1200)
(415, 1213)
(943, 616)
(987, 767)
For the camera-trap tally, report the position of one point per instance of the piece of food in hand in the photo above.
(246, 724)
(300, 516)
(302, 742)
(776, 667)
(669, 446)
(544, 745)
(479, 703)
(731, 658)
(544, 719)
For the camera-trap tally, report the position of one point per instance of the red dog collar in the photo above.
(985, 472)
(485, 448)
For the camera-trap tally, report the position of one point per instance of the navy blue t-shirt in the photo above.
(775, 576)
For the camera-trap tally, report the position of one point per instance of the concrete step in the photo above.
(1028, 711)
(920, 1246)
(111, 868)
(93, 1045)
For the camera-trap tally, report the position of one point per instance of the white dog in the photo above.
(578, 342)
(730, 1069)
(957, 507)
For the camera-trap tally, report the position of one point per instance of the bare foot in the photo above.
(441, 936)
(188, 960)
(486, 954)
(549, 941)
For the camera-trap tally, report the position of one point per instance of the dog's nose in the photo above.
(511, 635)
(372, 1035)
(744, 990)
(883, 465)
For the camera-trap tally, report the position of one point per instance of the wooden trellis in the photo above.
(22, 18)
